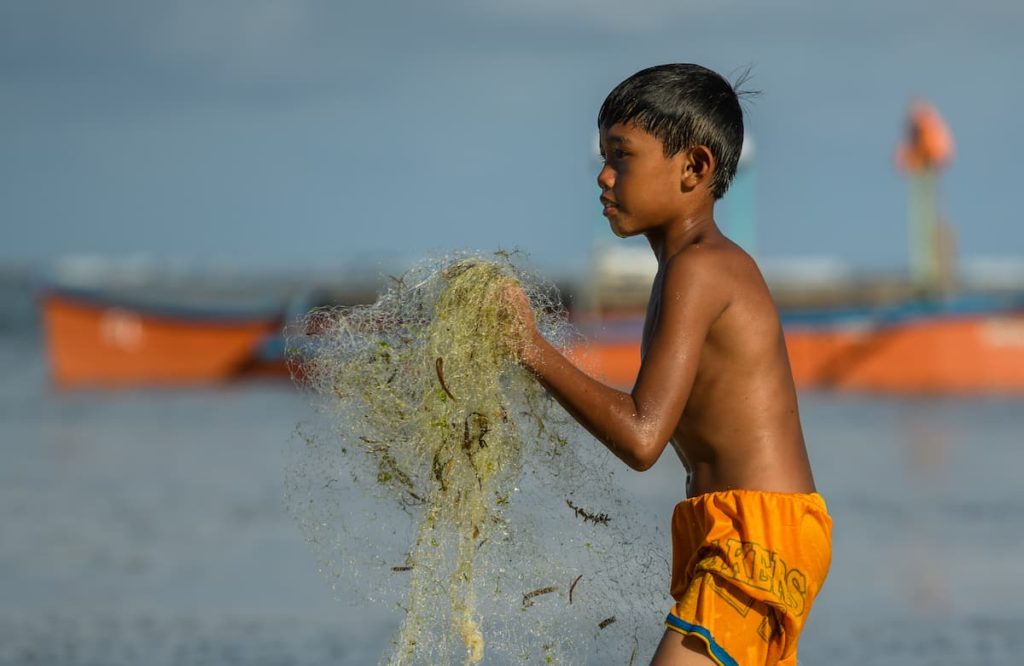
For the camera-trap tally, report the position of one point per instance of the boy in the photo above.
(752, 543)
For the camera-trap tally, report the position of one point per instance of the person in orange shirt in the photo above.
(752, 543)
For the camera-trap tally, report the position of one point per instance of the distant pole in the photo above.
(922, 227)
(927, 148)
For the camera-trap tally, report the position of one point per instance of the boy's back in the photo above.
(740, 427)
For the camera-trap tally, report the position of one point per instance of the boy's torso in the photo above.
(741, 426)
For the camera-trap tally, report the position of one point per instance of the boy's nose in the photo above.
(605, 178)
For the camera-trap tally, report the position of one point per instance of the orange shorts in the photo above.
(746, 567)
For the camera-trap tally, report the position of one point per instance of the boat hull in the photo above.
(105, 344)
(965, 346)
(939, 352)
(948, 355)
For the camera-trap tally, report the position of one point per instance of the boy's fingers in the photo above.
(514, 297)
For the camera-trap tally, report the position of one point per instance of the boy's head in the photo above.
(682, 106)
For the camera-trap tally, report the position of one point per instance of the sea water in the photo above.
(148, 527)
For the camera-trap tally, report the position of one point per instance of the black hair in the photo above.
(682, 106)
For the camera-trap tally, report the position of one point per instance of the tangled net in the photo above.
(447, 483)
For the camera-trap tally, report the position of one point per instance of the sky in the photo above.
(329, 134)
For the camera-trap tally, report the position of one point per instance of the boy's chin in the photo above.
(619, 230)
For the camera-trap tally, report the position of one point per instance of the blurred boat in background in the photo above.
(134, 321)
(970, 344)
(869, 332)
(103, 339)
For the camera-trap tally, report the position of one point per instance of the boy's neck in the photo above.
(689, 228)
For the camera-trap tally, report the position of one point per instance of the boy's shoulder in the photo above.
(690, 294)
(715, 286)
(715, 269)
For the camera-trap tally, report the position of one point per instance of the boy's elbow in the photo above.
(644, 456)
(641, 464)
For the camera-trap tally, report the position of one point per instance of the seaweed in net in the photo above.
(434, 480)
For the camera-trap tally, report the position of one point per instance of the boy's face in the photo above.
(640, 187)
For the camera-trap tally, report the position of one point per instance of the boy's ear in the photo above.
(697, 167)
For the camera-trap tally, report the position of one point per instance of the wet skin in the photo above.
(715, 380)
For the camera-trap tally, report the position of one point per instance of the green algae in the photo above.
(432, 416)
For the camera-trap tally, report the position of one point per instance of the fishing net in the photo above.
(441, 479)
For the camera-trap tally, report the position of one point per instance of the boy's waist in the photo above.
(755, 472)
(748, 495)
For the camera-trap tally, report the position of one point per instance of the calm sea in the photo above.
(149, 528)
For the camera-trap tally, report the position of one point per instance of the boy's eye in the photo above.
(613, 154)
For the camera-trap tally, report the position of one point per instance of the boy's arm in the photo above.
(637, 426)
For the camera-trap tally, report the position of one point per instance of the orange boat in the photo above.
(966, 345)
(95, 339)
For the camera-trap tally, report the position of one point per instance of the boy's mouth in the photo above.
(609, 205)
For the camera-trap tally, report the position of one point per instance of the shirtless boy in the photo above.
(752, 543)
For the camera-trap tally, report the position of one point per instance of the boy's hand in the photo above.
(637, 425)
(522, 324)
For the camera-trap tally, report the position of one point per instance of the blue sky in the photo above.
(301, 133)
